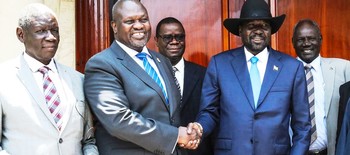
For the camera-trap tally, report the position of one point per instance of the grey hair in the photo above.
(32, 11)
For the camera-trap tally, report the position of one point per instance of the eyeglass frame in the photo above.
(177, 37)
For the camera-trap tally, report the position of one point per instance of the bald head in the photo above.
(131, 24)
(117, 7)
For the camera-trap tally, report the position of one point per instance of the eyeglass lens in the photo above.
(169, 38)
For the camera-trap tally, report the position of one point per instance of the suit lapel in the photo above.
(239, 66)
(190, 80)
(68, 88)
(273, 68)
(26, 77)
(328, 72)
(164, 73)
(133, 67)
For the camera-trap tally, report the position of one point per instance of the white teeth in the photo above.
(307, 51)
(138, 35)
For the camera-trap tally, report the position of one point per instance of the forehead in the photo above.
(170, 27)
(306, 28)
(130, 9)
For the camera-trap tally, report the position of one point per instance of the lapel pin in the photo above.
(158, 60)
(275, 68)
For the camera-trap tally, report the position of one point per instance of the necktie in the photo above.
(176, 81)
(255, 79)
(151, 72)
(51, 96)
(311, 98)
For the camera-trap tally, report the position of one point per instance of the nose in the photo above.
(138, 25)
(50, 36)
(306, 42)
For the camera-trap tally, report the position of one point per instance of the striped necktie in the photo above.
(255, 79)
(152, 73)
(51, 97)
(311, 98)
(176, 81)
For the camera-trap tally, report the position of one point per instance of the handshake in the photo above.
(189, 137)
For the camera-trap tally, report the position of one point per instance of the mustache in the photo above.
(257, 35)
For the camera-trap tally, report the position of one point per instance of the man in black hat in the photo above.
(253, 93)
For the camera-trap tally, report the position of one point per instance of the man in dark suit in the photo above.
(171, 42)
(132, 91)
(344, 94)
(253, 93)
(343, 143)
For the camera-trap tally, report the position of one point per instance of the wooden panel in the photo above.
(92, 29)
(234, 12)
(202, 21)
(332, 16)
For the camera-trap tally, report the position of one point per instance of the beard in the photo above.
(256, 47)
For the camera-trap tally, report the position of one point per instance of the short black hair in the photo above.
(167, 20)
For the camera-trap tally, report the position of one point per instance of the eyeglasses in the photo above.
(169, 38)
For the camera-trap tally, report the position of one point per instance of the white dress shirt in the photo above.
(263, 57)
(321, 142)
(60, 85)
(180, 74)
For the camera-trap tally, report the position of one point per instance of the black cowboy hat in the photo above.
(254, 10)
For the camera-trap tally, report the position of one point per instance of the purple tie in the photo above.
(51, 96)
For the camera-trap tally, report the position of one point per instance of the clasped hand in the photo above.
(190, 136)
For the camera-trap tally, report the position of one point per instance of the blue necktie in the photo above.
(151, 72)
(255, 79)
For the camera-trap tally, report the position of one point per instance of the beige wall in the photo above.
(10, 46)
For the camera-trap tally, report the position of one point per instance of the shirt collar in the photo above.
(262, 56)
(316, 64)
(34, 64)
(180, 65)
(132, 52)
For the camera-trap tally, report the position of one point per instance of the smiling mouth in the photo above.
(257, 40)
(307, 51)
(139, 35)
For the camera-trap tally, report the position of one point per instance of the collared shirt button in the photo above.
(60, 140)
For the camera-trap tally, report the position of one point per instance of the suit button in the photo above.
(256, 116)
(251, 141)
(60, 140)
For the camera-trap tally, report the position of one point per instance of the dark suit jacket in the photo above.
(227, 103)
(343, 145)
(193, 80)
(133, 116)
(344, 92)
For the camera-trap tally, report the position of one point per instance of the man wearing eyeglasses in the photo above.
(171, 42)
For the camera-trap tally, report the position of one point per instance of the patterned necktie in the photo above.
(255, 79)
(176, 81)
(151, 72)
(311, 98)
(52, 98)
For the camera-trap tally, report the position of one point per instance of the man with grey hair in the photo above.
(327, 76)
(42, 104)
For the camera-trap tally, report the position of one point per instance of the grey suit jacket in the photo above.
(335, 73)
(27, 126)
(133, 116)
